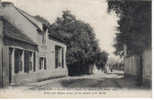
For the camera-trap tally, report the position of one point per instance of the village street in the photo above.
(100, 80)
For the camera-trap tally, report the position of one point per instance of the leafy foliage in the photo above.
(102, 58)
(79, 37)
(134, 25)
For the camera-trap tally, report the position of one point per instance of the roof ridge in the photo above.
(33, 23)
(18, 31)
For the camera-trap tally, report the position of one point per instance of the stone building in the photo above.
(26, 52)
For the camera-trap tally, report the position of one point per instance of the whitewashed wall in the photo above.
(50, 72)
(147, 63)
(130, 67)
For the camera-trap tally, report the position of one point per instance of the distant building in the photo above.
(26, 52)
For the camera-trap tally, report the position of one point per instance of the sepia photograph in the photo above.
(75, 48)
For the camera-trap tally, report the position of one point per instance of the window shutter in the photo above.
(45, 67)
(56, 57)
(34, 61)
(40, 63)
(62, 57)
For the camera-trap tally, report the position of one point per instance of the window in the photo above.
(27, 61)
(59, 57)
(43, 63)
(18, 60)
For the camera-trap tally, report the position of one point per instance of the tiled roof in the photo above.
(11, 31)
(28, 17)
(35, 21)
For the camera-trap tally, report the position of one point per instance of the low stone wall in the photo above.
(130, 64)
(132, 67)
(147, 67)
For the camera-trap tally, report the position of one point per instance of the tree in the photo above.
(134, 28)
(102, 58)
(134, 25)
(79, 37)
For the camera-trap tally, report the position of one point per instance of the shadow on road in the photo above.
(91, 83)
(119, 74)
(104, 82)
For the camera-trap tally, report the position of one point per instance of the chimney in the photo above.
(0, 3)
(1, 7)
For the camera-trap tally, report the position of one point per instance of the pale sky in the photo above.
(93, 12)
